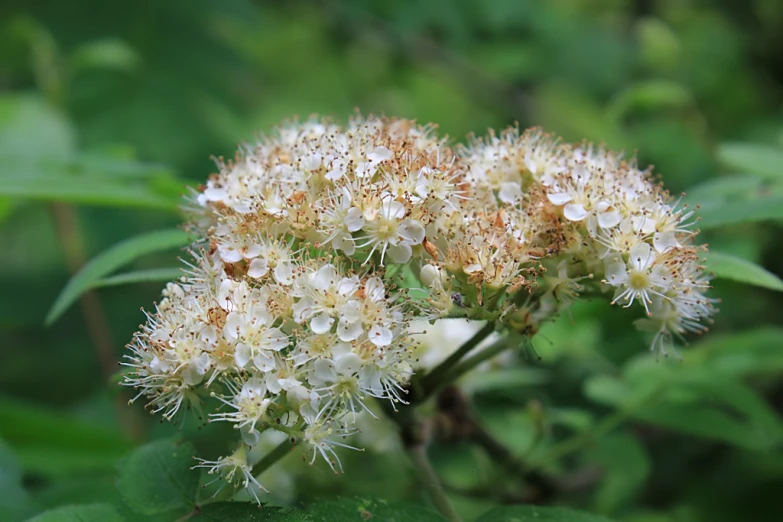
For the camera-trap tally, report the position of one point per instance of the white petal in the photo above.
(559, 198)
(374, 289)
(348, 364)
(411, 231)
(264, 362)
(348, 332)
(354, 220)
(641, 256)
(321, 323)
(574, 212)
(259, 267)
(348, 285)
(344, 241)
(509, 192)
(379, 154)
(229, 255)
(242, 355)
(616, 274)
(400, 253)
(350, 311)
(380, 336)
(664, 241)
(324, 370)
(325, 277)
(253, 251)
(233, 326)
(277, 340)
(284, 273)
(609, 219)
(393, 209)
(215, 194)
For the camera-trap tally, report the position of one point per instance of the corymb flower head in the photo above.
(319, 245)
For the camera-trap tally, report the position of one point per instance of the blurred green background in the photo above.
(107, 110)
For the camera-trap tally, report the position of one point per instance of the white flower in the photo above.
(391, 231)
(638, 278)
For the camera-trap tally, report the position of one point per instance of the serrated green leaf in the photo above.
(751, 211)
(52, 443)
(247, 512)
(763, 160)
(113, 258)
(152, 275)
(157, 478)
(363, 510)
(538, 514)
(81, 513)
(726, 266)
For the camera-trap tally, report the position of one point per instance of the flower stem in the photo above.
(469, 363)
(429, 479)
(269, 460)
(434, 380)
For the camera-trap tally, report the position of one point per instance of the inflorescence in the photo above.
(319, 245)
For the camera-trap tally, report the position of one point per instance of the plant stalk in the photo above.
(269, 460)
(429, 479)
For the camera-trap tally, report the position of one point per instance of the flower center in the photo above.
(639, 280)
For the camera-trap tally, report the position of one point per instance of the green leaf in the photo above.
(83, 513)
(247, 512)
(723, 190)
(726, 266)
(140, 276)
(113, 258)
(538, 514)
(82, 190)
(52, 443)
(763, 160)
(626, 467)
(15, 502)
(769, 208)
(364, 510)
(650, 95)
(157, 478)
(104, 54)
(31, 129)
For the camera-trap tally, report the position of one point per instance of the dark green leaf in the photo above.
(726, 266)
(364, 510)
(113, 258)
(104, 54)
(770, 208)
(157, 478)
(141, 276)
(248, 512)
(81, 513)
(626, 467)
(15, 502)
(538, 514)
(100, 191)
(758, 159)
(52, 443)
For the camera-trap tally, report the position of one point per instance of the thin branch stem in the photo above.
(429, 479)
(470, 363)
(269, 460)
(434, 380)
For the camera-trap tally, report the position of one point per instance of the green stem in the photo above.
(471, 362)
(282, 449)
(434, 379)
(429, 479)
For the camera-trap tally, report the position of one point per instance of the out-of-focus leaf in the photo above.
(626, 467)
(15, 502)
(659, 45)
(32, 129)
(104, 54)
(113, 258)
(248, 512)
(157, 478)
(722, 190)
(153, 275)
(538, 514)
(52, 443)
(362, 510)
(651, 95)
(81, 513)
(99, 191)
(726, 266)
(769, 208)
(763, 160)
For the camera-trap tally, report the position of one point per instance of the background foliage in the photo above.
(108, 110)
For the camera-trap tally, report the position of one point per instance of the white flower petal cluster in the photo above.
(297, 306)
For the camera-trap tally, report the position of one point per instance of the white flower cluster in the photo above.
(296, 307)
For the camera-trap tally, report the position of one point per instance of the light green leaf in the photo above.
(769, 208)
(52, 443)
(104, 54)
(157, 478)
(723, 190)
(248, 512)
(81, 513)
(141, 276)
(538, 514)
(626, 467)
(650, 95)
(763, 160)
(726, 266)
(82, 190)
(31, 129)
(113, 258)
(362, 510)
